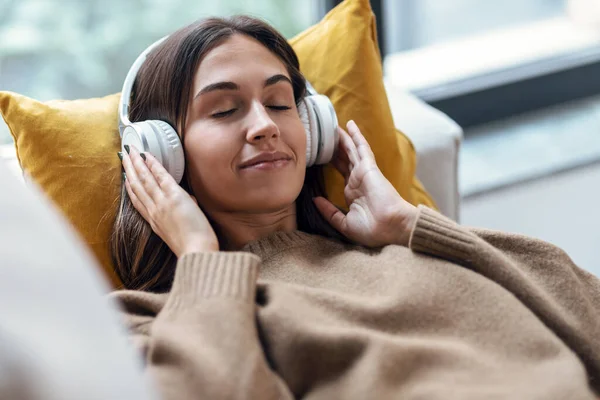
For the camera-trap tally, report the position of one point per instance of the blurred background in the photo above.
(522, 77)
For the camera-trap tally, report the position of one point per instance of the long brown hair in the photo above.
(162, 91)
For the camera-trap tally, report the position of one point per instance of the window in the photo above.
(428, 22)
(483, 60)
(71, 49)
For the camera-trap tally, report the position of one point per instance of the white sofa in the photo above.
(437, 140)
(60, 336)
(435, 136)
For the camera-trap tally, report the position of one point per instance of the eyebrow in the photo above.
(233, 86)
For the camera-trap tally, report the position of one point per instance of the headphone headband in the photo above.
(128, 85)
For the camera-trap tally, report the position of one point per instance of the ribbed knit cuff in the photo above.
(213, 274)
(440, 236)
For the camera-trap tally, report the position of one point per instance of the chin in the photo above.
(271, 203)
(273, 193)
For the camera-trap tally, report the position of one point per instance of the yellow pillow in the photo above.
(340, 57)
(69, 147)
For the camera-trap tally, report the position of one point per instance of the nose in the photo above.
(261, 126)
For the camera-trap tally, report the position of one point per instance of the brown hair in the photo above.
(162, 91)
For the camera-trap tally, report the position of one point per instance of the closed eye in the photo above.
(227, 113)
(279, 108)
(223, 114)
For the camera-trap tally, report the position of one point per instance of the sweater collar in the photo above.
(277, 242)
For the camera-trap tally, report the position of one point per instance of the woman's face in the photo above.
(243, 106)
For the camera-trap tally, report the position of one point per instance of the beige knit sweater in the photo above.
(462, 314)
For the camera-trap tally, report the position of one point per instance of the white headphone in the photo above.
(161, 140)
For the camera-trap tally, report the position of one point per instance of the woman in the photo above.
(243, 286)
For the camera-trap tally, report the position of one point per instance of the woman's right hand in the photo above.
(173, 214)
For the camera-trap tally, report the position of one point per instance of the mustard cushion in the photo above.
(69, 147)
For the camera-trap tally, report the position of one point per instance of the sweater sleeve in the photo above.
(203, 343)
(541, 275)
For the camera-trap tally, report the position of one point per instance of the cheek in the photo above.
(209, 154)
(296, 138)
(202, 151)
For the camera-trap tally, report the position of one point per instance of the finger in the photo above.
(342, 166)
(145, 176)
(341, 162)
(331, 213)
(164, 180)
(362, 146)
(135, 201)
(131, 172)
(348, 145)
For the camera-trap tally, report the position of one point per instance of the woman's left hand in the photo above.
(377, 214)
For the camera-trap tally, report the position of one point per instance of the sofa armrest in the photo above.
(61, 337)
(437, 140)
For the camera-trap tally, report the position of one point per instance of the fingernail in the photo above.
(120, 155)
(143, 156)
(124, 176)
(126, 148)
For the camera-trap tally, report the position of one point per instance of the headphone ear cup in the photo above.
(324, 126)
(159, 139)
(310, 127)
(173, 157)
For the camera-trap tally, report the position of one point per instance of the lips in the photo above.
(265, 157)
